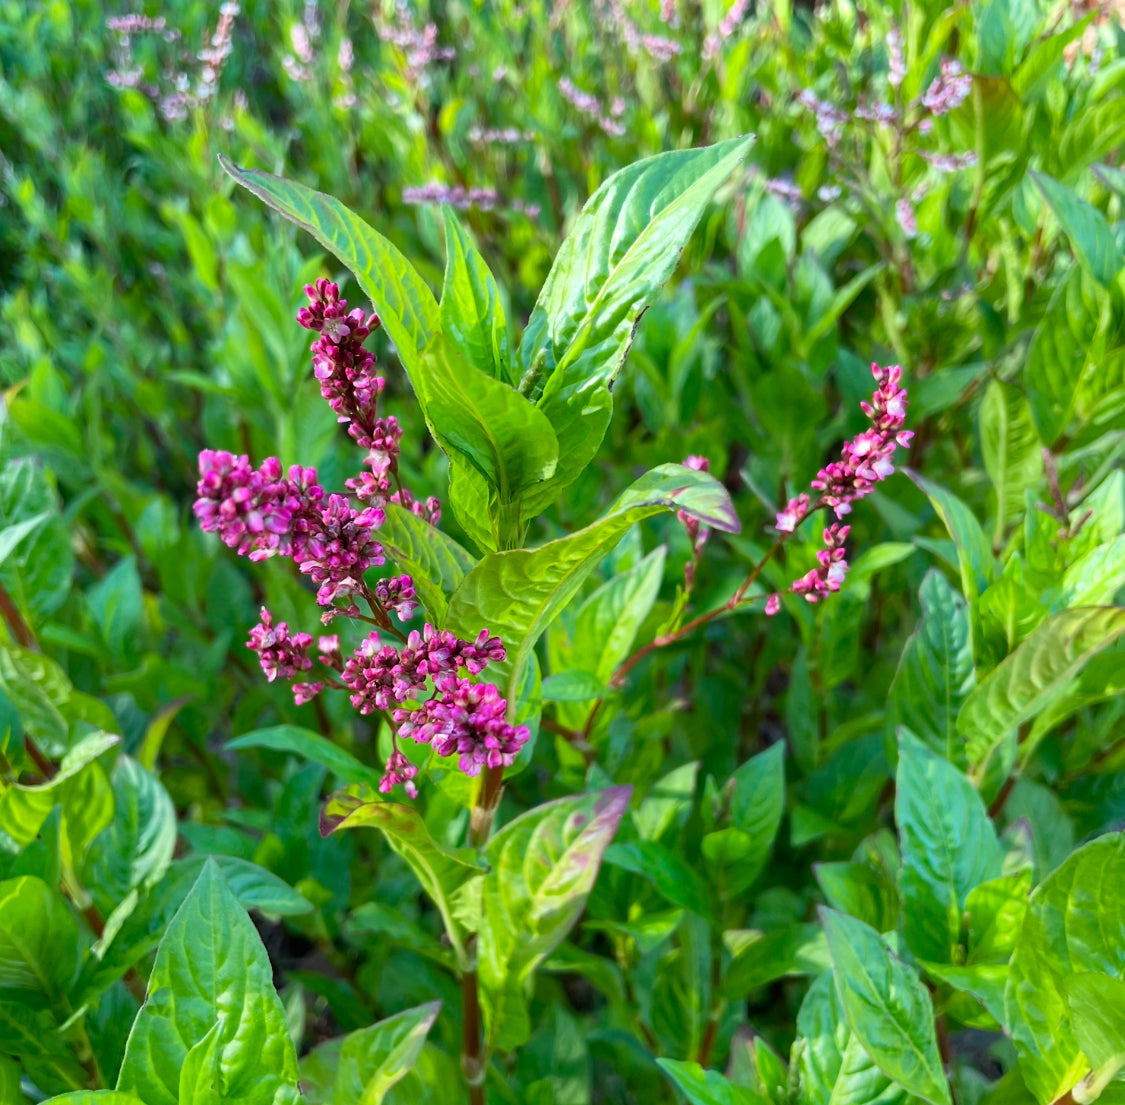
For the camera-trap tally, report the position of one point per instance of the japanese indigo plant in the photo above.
(517, 426)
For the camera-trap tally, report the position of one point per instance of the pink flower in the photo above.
(773, 605)
(279, 652)
(832, 567)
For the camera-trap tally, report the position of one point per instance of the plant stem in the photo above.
(484, 812)
(20, 630)
(472, 1064)
(46, 768)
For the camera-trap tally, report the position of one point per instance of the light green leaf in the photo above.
(860, 890)
(434, 561)
(211, 969)
(135, 849)
(608, 622)
(1075, 923)
(974, 553)
(1085, 228)
(405, 304)
(440, 870)
(1013, 456)
(667, 872)
(706, 1087)
(667, 803)
(359, 1069)
(543, 867)
(1097, 1013)
(794, 951)
(1031, 677)
(834, 1068)
(887, 1007)
(936, 673)
(995, 912)
(623, 247)
(517, 594)
(40, 947)
(312, 747)
(572, 686)
(949, 847)
(472, 313)
(94, 1097)
(983, 981)
(1096, 577)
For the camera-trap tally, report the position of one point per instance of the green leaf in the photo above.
(667, 803)
(517, 594)
(543, 867)
(40, 947)
(1097, 1014)
(434, 561)
(312, 747)
(608, 621)
(1085, 228)
(887, 1007)
(33, 1036)
(359, 1069)
(211, 970)
(974, 553)
(1096, 577)
(505, 437)
(706, 1087)
(572, 686)
(860, 890)
(622, 248)
(1035, 674)
(833, 1066)
(936, 673)
(1075, 923)
(794, 951)
(405, 304)
(995, 912)
(949, 847)
(1013, 456)
(95, 1097)
(135, 849)
(441, 871)
(472, 313)
(667, 872)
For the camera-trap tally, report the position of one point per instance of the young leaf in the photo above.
(667, 803)
(707, 1087)
(405, 304)
(40, 947)
(211, 970)
(312, 747)
(1013, 457)
(861, 890)
(1097, 1012)
(624, 245)
(543, 867)
(440, 870)
(666, 871)
(433, 560)
(472, 314)
(1086, 229)
(974, 553)
(1035, 674)
(1074, 924)
(360, 1068)
(949, 847)
(517, 594)
(887, 1007)
(936, 673)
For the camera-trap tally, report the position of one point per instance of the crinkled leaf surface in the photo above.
(517, 594)
(543, 867)
(1075, 923)
(212, 970)
(949, 847)
(887, 1007)
(1035, 674)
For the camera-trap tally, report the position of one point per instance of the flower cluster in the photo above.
(589, 106)
(947, 91)
(465, 199)
(864, 461)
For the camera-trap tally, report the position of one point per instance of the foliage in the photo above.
(867, 849)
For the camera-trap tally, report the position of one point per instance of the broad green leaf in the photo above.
(1075, 923)
(1085, 228)
(608, 621)
(434, 561)
(135, 849)
(200, 1075)
(834, 1068)
(95, 1097)
(861, 890)
(887, 1007)
(1097, 1013)
(995, 912)
(517, 594)
(706, 1087)
(983, 981)
(441, 871)
(33, 1036)
(736, 853)
(794, 951)
(312, 747)
(572, 686)
(211, 969)
(40, 947)
(974, 553)
(543, 867)
(472, 313)
(1013, 457)
(505, 437)
(667, 803)
(936, 673)
(39, 689)
(949, 848)
(1096, 577)
(359, 1069)
(622, 248)
(404, 302)
(1039, 670)
(668, 873)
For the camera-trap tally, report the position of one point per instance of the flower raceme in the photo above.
(864, 462)
(266, 512)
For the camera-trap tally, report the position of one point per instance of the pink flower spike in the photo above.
(773, 605)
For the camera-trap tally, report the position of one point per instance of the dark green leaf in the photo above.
(312, 747)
